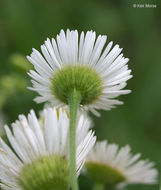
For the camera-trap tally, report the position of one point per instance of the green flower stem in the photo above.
(98, 186)
(74, 101)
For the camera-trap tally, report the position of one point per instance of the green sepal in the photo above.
(83, 79)
(104, 174)
(47, 173)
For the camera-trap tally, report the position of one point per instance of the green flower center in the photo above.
(47, 173)
(104, 174)
(83, 79)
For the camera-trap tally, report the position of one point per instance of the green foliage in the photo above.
(20, 62)
(10, 84)
(50, 172)
(83, 79)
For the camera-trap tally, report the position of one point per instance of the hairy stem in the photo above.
(74, 101)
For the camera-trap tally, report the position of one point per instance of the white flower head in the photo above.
(98, 72)
(109, 165)
(41, 158)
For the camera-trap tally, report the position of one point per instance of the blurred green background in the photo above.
(27, 23)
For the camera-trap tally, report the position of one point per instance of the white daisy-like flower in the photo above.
(68, 62)
(109, 165)
(40, 159)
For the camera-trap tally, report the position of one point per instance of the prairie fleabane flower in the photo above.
(78, 72)
(41, 158)
(70, 62)
(109, 166)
